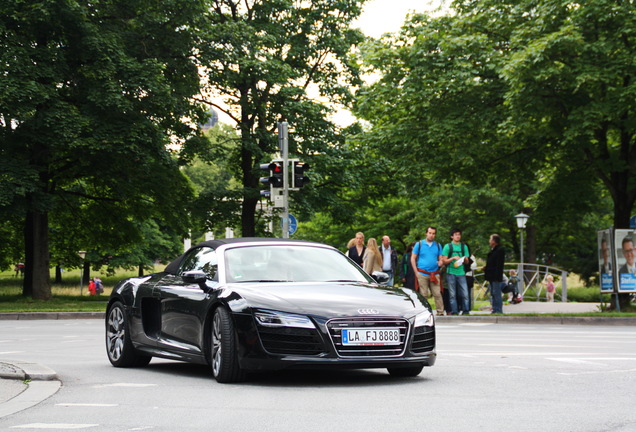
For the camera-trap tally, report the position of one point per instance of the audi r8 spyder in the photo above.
(254, 304)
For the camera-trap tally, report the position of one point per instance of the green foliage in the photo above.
(91, 96)
(485, 112)
(266, 60)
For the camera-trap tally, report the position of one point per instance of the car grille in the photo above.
(423, 339)
(336, 325)
(289, 340)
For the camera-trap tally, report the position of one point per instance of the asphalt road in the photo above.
(495, 377)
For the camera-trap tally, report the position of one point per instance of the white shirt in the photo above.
(386, 261)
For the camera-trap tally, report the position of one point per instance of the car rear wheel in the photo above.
(223, 357)
(119, 347)
(410, 371)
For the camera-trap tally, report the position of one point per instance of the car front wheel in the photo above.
(119, 347)
(223, 357)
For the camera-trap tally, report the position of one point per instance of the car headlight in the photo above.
(425, 319)
(280, 319)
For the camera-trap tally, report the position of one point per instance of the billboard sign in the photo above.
(625, 269)
(606, 260)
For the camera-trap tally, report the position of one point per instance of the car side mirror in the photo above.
(380, 277)
(194, 276)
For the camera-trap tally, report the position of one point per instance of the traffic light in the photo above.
(299, 179)
(275, 169)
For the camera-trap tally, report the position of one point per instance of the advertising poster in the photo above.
(625, 272)
(606, 260)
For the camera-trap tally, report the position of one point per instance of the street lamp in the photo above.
(521, 224)
(82, 255)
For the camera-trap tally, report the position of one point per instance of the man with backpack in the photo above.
(454, 256)
(425, 260)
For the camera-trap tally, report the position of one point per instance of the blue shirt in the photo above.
(427, 255)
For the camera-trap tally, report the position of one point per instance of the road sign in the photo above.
(293, 224)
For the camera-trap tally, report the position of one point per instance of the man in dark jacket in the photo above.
(389, 259)
(493, 272)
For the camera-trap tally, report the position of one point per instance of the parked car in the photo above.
(254, 304)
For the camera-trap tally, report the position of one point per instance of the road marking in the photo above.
(11, 352)
(55, 426)
(86, 405)
(575, 361)
(124, 385)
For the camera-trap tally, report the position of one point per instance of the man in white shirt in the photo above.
(389, 259)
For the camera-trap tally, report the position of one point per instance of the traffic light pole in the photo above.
(284, 150)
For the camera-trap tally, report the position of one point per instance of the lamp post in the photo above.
(82, 255)
(521, 224)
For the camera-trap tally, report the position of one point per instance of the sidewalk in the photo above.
(23, 385)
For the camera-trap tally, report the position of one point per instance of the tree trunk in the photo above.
(141, 270)
(37, 280)
(58, 274)
(86, 272)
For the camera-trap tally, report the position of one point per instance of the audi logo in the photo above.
(368, 311)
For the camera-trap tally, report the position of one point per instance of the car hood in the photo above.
(332, 299)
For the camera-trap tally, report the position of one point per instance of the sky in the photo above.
(387, 16)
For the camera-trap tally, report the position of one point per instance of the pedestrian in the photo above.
(426, 263)
(454, 255)
(372, 260)
(512, 287)
(91, 287)
(408, 276)
(356, 252)
(493, 272)
(549, 288)
(389, 259)
(470, 277)
(99, 286)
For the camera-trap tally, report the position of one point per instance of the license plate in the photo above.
(365, 336)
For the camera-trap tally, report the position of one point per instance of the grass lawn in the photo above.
(67, 296)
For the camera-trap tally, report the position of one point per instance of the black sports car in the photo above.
(251, 304)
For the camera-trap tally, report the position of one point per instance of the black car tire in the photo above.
(410, 371)
(119, 347)
(223, 355)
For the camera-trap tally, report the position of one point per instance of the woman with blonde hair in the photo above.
(372, 260)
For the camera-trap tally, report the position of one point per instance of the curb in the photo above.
(26, 371)
(51, 315)
(31, 383)
(561, 320)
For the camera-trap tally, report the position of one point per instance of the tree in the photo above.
(273, 59)
(442, 109)
(570, 79)
(91, 95)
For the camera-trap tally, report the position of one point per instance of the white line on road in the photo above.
(63, 426)
(86, 405)
(124, 385)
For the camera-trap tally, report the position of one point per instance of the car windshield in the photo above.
(289, 263)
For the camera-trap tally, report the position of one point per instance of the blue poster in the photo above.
(625, 270)
(605, 260)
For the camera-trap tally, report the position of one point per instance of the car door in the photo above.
(184, 305)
